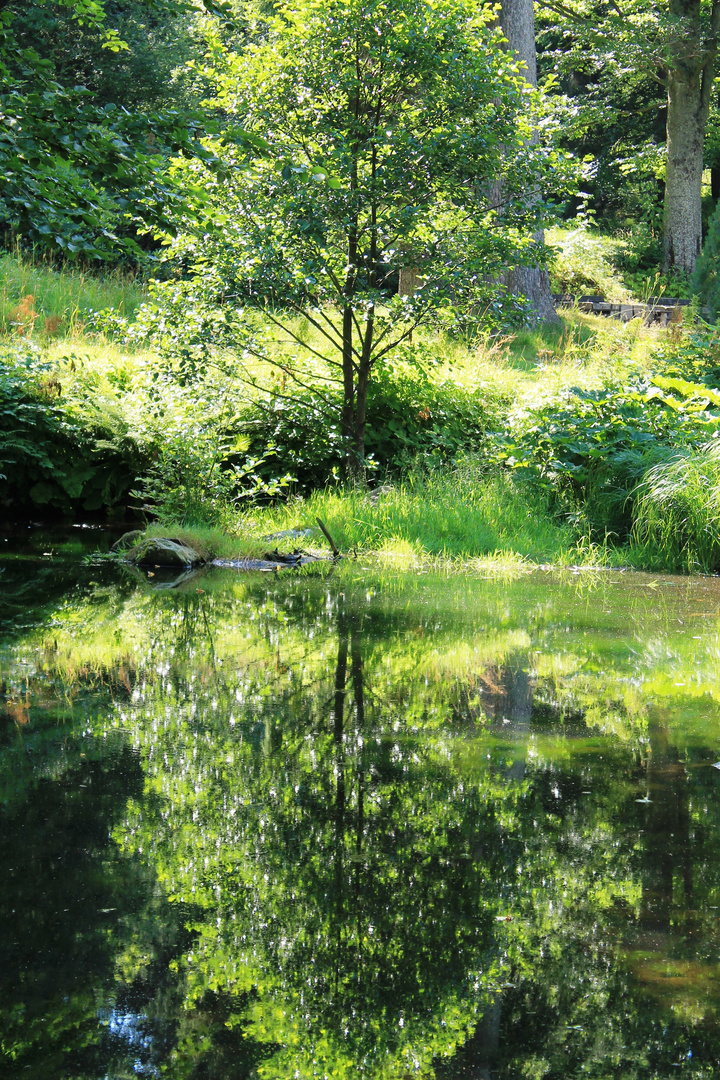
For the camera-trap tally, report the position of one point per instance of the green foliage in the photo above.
(620, 266)
(640, 251)
(585, 263)
(82, 177)
(588, 449)
(199, 476)
(706, 279)
(52, 455)
(145, 72)
(411, 415)
(609, 103)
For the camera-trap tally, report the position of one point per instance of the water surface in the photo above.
(356, 824)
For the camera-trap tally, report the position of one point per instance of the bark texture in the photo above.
(686, 121)
(689, 84)
(517, 18)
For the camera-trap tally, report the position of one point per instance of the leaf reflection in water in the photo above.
(380, 829)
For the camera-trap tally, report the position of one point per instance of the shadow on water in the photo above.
(443, 828)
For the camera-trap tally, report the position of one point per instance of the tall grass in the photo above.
(453, 514)
(37, 300)
(677, 514)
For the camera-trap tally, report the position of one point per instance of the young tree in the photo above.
(394, 117)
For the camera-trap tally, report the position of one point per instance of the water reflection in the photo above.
(437, 828)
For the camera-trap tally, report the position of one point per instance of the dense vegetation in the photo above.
(268, 263)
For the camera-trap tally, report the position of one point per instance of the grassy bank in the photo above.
(591, 444)
(452, 516)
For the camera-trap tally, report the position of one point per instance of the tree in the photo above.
(690, 72)
(518, 23)
(148, 72)
(393, 119)
(78, 174)
(676, 46)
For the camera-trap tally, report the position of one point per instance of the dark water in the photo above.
(356, 826)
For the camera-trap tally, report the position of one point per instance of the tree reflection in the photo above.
(349, 876)
(352, 856)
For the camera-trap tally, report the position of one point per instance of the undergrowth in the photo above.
(677, 520)
(621, 267)
(587, 444)
(39, 301)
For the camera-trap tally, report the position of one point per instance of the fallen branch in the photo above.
(331, 542)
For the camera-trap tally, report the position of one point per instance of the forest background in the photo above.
(269, 262)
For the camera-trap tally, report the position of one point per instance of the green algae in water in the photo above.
(356, 825)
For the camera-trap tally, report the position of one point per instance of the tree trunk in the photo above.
(348, 409)
(690, 79)
(686, 120)
(518, 22)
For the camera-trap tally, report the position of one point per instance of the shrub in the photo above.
(410, 416)
(51, 457)
(587, 450)
(585, 262)
(198, 478)
(641, 250)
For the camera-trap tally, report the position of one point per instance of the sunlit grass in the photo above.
(677, 517)
(40, 301)
(459, 516)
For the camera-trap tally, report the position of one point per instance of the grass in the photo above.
(677, 517)
(38, 300)
(448, 516)
(456, 519)
(209, 541)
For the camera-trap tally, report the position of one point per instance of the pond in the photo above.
(356, 824)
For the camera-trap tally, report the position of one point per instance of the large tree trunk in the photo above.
(518, 23)
(687, 117)
(690, 80)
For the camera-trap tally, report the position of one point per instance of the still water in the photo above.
(356, 824)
